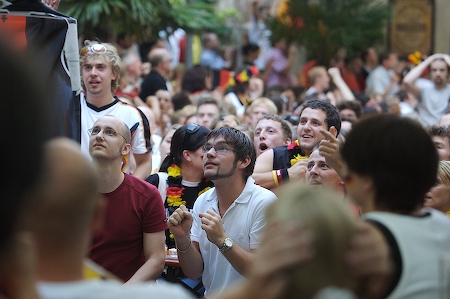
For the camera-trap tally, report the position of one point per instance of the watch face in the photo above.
(228, 242)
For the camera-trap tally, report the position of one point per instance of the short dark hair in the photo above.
(194, 79)
(241, 143)
(384, 56)
(207, 100)
(438, 131)
(249, 48)
(440, 59)
(355, 106)
(287, 132)
(180, 100)
(333, 119)
(398, 155)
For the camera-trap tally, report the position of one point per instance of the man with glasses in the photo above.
(131, 243)
(61, 245)
(100, 69)
(217, 240)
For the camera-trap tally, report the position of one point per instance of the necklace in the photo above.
(175, 190)
(295, 152)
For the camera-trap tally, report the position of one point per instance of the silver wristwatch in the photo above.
(227, 244)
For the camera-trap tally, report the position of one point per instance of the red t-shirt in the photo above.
(134, 208)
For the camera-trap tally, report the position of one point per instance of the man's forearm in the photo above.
(264, 179)
(239, 258)
(418, 70)
(191, 261)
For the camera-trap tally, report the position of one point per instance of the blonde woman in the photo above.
(321, 213)
(439, 195)
(311, 249)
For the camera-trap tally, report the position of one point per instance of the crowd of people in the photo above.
(329, 182)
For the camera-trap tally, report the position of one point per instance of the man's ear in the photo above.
(126, 149)
(333, 131)
(114, 75)
(244, 163)
(287, 141)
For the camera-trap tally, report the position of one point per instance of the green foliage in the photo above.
(142, 17)
(324, 26)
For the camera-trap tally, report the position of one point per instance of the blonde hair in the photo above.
(110, 56)
(316, 72)
(262, 101)
(321, 212)
(444, 172)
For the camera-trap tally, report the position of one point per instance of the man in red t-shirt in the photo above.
(131, 243)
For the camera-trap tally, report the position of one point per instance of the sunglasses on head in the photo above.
(96, 48)
(192, 128)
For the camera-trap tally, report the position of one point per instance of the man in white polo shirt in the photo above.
(216, 241)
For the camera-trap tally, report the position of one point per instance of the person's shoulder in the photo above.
(139, 185)
(439, 216)
(423, 83)
(264, 193)
(126, 112)
(376, 71)
(260, 193)
(448, 86)
(280, 148)
(267, 154)
(153, 179)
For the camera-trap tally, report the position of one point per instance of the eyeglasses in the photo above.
(96, 48)
(218, 148)
(106, 131)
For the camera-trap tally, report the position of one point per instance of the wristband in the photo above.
(275, 178)
(279, 176)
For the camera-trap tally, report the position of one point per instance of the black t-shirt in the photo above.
(152, 83)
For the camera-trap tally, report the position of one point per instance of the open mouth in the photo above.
(263, 147)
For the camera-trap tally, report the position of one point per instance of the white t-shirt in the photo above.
(130, 115)
(243, 222)
(240, 109)
(108, 289)
(379, 79)
(422, 241)
(433, 103)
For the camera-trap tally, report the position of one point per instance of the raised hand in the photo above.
(180, 222)
(212, 225)
(329, 148)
